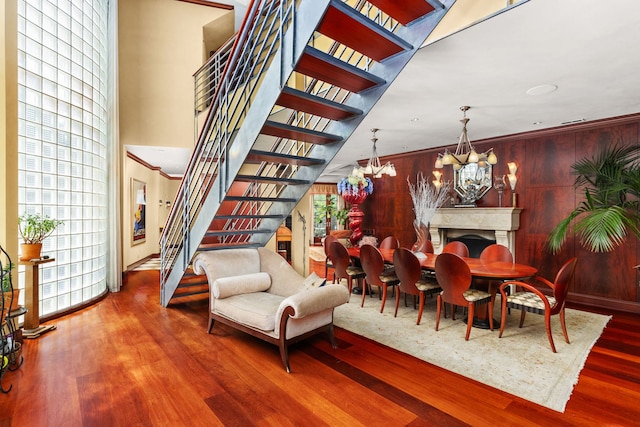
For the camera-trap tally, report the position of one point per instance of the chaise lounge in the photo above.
(256, 291)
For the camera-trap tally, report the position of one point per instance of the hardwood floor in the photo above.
(128, 361)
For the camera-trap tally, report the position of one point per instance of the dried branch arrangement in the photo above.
(427, 198)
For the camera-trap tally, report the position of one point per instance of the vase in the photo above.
(30, 251)
(422, 236)
(355, 215)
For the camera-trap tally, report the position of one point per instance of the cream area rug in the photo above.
(520, 363)
(316, 253)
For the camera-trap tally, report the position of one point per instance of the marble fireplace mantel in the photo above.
(497, 224)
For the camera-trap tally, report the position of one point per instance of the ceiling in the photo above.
(588, 49)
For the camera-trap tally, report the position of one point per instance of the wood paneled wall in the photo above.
(546, 194)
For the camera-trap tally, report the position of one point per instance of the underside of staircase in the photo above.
(301, 78)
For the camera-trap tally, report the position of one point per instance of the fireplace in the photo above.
(474, 242)
(489, 225)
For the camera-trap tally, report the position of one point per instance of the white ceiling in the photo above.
(589, 49)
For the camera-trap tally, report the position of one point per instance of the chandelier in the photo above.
(374, 167)
(465, 153)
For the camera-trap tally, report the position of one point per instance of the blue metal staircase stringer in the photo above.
(293, 51)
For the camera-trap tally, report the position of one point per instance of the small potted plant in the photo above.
(7, 285)
(33, 229)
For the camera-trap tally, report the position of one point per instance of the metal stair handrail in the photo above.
(253, 50)
(259, 41)
(317, 88)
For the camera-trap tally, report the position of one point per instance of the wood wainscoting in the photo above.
(546, 195)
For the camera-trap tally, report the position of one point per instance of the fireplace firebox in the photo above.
(474, 242)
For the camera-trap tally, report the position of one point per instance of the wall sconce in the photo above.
(437, 182)
(161, 203)
(168, 204)
(513, 179)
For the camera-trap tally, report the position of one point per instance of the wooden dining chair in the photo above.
(496, 252)
(389, 242)
(456, 247)
(533, 300)
(426, 247)
(409, 272)
(343, 269)
(493, 253)
(454, 277)
(375, 274)
(328, 240)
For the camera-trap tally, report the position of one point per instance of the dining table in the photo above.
(493, 270)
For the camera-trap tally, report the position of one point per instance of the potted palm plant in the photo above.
(609, 211)
(33, 229)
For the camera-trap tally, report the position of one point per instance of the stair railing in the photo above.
(258, 41)
(285, 146)
(254, 49)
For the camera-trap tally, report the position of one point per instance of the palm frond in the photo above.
(609, 212)
(602, 230)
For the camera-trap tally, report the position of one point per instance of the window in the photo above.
(62, 141)
(324, 219)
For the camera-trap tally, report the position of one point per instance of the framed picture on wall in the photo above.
(138, 208)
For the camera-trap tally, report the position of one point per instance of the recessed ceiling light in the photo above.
(537, 123)
(415, 119)
(541, 90)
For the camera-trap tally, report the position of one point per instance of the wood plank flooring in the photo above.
(127, 361)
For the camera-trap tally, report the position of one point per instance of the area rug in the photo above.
(520, 363)
(316, 253)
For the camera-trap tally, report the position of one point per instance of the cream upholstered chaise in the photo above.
(256, 291)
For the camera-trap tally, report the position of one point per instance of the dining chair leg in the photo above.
(564, 327)
(365, 287)
(490, 315)
(503, 317)
(470, 309)
(421, 307)
(384, 297)
(523, 313)
(547, 323)
(439, 302)
(398, 303)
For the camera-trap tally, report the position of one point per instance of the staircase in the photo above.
(301, 77)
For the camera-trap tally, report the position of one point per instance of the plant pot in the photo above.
(14, 302)
(6, 297)
(30, 251)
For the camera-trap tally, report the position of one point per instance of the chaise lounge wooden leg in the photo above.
(332, 337)
(211, 321)
(284, 355)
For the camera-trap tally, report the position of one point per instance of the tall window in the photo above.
(324, 220)
(62, 151)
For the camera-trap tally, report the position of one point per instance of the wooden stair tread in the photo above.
(282, 130)
(272, 180)
(302, 101)
(319, 65)
(349, 27)
(258, 156)
(404, 12)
